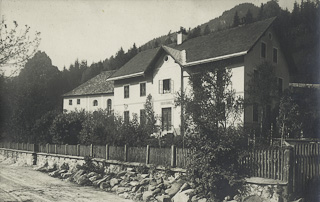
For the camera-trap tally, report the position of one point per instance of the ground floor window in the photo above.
(70, 102)
(166, 119)
(126, 117)
(95, 103)
(78, 101)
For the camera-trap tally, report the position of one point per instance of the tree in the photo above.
(249, 17)
(263, 91)
(236, 20)
(16, 47)
(206, 30)
(213, 137)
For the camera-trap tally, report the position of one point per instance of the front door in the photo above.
(166, 119)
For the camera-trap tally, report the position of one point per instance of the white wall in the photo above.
(162, 70)
(86, 102)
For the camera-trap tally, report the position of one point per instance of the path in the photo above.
(24, 184)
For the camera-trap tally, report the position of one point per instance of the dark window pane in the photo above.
(263, 50)
(142, 116)
(126, 117)
(166, 86)
(275, 55)
(78, 101)
(126, 91)
(166, 119)
(95, 103)
(109, 104)
(142, 89)
(70, 102)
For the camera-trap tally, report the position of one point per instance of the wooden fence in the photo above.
(174, 157)
(298, 164)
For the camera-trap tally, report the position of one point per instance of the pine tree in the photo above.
(206, 30)
(236, 20)
(249, 17)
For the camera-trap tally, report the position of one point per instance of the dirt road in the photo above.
(24, 184)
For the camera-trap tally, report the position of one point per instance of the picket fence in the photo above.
(298, 165)
(174, 157)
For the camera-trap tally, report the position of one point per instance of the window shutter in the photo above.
(171, 86)
(160, 86)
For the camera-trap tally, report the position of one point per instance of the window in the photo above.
(70, 102)
(142, 117)
(78, 101)
(126, 117)
(165, 86)
(126, 91)
(109, 105)
(142, 89)
(263, 50)
(280, 83)
(95, 102)
(166, 119)
(255, 112)
(275, 55)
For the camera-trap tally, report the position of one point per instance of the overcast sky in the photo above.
(95, 30)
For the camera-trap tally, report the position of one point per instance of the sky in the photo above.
(96, 29)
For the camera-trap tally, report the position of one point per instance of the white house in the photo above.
(162, 72)
(96, 93)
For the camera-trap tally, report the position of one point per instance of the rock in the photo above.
(134, 183)
(62, 171)
(94, 178)
(54, 173)
(153, 182)
(163, 198)
(185, 186)
(159, 180)
(66, 175)
(123, 183)
(156, 191)
(122, 173)
(135, 188)
(114, 181)
(299, 200)
(152, 187)
(78, 174)
(123, 189)
(91, 174)
(114, 189)
(144, 181)
(175, 187)
(143, 176)
(83, 180)
(98, 182)
(104, 185)
(141, 189)
(124, 195)
(202, 200)
(147, 195)
(183, 196)
(137, 197)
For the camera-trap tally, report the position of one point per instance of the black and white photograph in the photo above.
(160, 100)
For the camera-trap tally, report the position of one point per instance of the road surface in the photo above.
(19, 183)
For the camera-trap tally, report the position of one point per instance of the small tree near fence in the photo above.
(211, 113)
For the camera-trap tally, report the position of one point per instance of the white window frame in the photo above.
(171, 85)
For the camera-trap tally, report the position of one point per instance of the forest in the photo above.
(36, 92)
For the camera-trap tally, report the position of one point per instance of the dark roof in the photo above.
(138, 64)
(225, 42)
(221, 43)
(96, 85)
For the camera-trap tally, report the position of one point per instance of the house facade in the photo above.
(163, 72)
(95, 94)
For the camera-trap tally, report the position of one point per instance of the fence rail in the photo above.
(175, 157)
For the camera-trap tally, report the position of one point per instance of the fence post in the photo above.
(91, 150)
(78, 149)
(148, 155)
(173, 156)
(125, 152)
(55, 148)
(289, 168)
(107, 152)
(66, 149)
(47, 148)
(28, 146)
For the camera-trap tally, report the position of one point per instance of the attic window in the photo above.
(166, 58)
(95, 103)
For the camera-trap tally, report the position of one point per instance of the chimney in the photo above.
(179, 38)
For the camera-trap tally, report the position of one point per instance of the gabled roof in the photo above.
(216, 46)
(97, 85)
(224, 43)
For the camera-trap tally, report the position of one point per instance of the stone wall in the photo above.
(19, 157)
